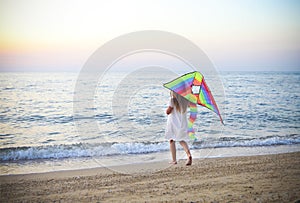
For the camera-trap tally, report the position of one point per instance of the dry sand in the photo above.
(270, 178)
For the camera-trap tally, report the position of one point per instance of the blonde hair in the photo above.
(180, 102)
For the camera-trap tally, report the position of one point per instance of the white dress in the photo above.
(177, 125)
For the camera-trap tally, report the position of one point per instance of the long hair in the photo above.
(180, 102)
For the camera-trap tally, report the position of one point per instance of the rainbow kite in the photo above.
(193, 87)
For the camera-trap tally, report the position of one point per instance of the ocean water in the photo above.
(39, 131)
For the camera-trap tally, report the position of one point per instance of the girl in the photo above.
(177, 125)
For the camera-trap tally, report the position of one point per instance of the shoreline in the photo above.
(266, 178)
(119, 163)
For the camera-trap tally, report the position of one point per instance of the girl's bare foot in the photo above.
(173, 162)
(189, 161)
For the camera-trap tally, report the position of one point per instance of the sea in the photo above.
(39, 131)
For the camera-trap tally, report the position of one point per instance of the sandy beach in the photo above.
(267, 178)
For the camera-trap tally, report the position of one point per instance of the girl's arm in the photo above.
(169, 110)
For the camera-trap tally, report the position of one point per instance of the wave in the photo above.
(78, 150)
(111, 149)
(252, 142)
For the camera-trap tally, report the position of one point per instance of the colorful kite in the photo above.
(193, 87)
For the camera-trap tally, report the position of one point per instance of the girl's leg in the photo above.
(187, 151)
(173, 151)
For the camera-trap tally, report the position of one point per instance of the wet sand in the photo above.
(266, 178)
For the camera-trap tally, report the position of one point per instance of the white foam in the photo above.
(110, 149)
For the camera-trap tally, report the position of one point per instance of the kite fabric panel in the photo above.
(193, 87)
(191, 121)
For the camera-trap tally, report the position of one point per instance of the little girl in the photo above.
(177, 125)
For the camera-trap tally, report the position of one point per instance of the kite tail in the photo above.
(193, 116)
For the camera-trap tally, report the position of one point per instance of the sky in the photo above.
(57, 35)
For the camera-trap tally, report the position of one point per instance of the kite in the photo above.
(193, 87)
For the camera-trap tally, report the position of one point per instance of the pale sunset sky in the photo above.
(57, 35)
